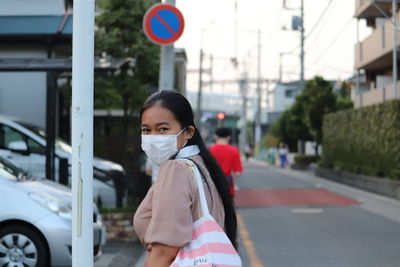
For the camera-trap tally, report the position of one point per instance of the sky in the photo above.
(210, 24)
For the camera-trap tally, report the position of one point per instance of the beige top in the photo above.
(167, 213)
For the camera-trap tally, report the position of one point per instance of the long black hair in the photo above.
(180, 107)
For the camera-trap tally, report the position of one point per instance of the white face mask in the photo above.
(159, 148)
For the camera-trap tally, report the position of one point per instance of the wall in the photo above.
(17, 90)
(31, 7)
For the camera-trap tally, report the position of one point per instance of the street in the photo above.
(290, 218)
(339, 226)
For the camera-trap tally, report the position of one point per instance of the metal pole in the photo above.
(280, 67)
(394, 15)
(50, 124)
(302, 44)
(211, 72)
(257, 135)
(243, 132)
(200, 87)
(236, 31)
(82, 133)
(357, 71)
(167, 58)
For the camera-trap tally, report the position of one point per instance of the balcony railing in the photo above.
(371, 52)
(367, 8)
(376, 96)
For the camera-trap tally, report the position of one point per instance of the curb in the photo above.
(380, 186)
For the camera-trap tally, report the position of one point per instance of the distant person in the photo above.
(247, 151)
(283, 151)
(227, 156)
(272, 151)
(152, 169)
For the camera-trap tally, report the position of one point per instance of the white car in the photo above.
(35, 221)
(24, 145)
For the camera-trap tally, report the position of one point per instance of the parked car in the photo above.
(35, 221)
(24, 145)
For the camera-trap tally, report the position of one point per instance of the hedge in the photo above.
(364, 141)
(306, 159)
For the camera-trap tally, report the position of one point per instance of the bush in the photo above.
(306, 159)
(127, 209)
(365, 140)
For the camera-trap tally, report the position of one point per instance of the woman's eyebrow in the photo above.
(158, 124)
(162, 123)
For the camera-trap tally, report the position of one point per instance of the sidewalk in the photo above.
(120, 254)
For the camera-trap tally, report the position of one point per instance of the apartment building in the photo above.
(374, 54)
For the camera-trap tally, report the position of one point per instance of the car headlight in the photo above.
(53, 204)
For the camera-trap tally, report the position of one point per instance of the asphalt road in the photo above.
(307, 221)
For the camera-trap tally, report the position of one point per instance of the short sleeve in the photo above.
(237, 165)
(173, 197)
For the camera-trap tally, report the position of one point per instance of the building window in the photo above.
(289, 93)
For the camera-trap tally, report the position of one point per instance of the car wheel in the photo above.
(20, 246)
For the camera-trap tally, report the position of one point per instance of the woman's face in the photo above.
(157, 120)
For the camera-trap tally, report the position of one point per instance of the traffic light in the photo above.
(221, 116)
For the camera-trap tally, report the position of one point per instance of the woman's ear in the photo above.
(189, 132)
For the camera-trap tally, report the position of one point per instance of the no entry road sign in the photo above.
(163, 24)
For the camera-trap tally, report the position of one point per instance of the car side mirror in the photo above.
(19, 147)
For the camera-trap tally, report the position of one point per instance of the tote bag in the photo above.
(210, 246)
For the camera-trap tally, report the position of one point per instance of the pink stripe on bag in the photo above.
(212, 265)
(216, 248)
(209, 226)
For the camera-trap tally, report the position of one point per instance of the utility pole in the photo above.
(236, 32)
(211, 72)
(167, 58)
(82, 134)
(200, 88)
(302, 44)
(357, 71)
(394, 17)
(257, 135)
(243, 132)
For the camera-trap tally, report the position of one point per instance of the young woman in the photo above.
(164, 220)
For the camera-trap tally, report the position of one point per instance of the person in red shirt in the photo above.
(227, 156)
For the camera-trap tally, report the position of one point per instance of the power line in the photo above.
(319, 19)
(334, 39)
(313, 27)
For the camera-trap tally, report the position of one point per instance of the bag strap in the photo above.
(200, 187)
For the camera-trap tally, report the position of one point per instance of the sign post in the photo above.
(82, 133)
(163, 25)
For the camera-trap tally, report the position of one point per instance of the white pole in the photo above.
(394, 15)
(167, 58)
(243, 132)
(258, 114)
(358, 102)
(82, 133)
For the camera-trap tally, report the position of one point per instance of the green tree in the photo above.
(119, 34)
(318, 100)
(343, 99)
(303, 120)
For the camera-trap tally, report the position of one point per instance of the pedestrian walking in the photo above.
(227, 156)
(283, 151)
(164, 220)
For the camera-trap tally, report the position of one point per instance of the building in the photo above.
(31, 30)
(281, 97)
(373, 55)
(228, 103)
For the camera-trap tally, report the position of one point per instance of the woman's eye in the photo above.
(145, 130)
(163, 129)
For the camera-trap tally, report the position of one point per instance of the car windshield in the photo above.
(10, 171)
(59, 143)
